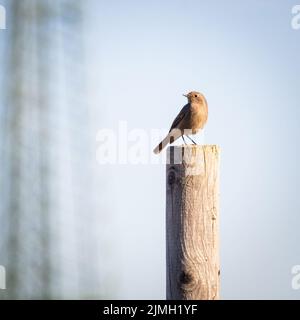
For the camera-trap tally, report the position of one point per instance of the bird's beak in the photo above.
(185, 95)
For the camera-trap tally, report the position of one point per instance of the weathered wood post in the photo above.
(192, 219)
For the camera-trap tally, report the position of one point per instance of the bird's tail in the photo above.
(170, 138)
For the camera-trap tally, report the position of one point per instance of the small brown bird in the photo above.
(190, 120)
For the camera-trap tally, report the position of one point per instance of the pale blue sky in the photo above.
(244, 56)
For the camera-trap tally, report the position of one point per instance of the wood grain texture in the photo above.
(192, 220)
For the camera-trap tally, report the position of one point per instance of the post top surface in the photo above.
(196, 147)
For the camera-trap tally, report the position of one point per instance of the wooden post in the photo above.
(192, 219)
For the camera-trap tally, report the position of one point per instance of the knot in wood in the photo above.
(185, 278)
(171, 177)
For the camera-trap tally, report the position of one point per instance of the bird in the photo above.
(192, 118)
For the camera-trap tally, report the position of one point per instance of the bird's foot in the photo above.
(192, 140)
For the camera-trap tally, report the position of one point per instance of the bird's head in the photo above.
(195, 96)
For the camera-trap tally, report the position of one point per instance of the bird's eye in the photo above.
(196, 96)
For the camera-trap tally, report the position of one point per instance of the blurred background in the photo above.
(72, 228)
(52, 194)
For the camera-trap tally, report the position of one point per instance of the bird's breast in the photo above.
(199, 113)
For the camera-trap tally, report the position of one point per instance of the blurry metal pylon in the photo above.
(49, 213)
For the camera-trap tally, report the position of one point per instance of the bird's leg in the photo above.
(183, 139)
(192, 140)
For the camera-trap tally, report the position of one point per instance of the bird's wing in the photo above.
(183, 112)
